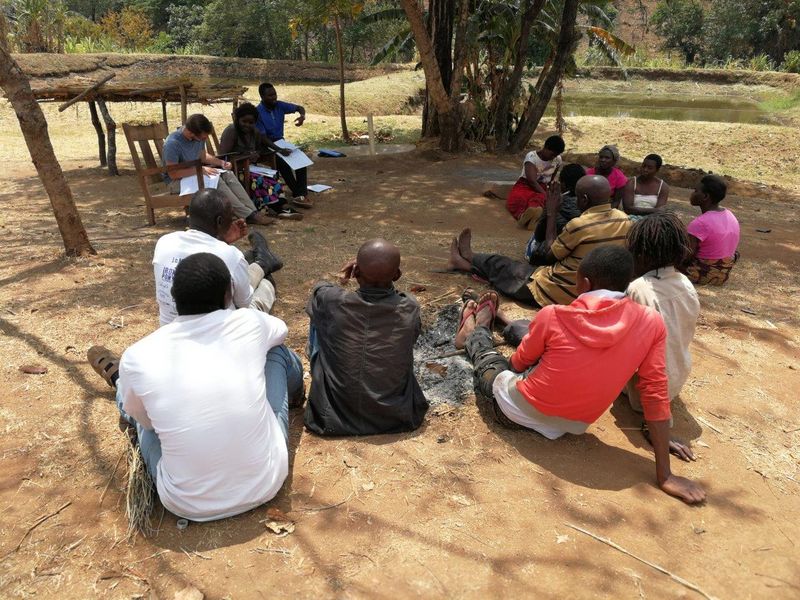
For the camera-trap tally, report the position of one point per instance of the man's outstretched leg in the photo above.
(487, 362)
(510, 277)
(284, 373)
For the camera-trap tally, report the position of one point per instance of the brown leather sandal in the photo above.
(104, 363)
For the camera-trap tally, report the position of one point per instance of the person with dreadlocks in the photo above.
(659, 244)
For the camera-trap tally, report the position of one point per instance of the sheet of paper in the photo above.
(189, 184)
(259, 170)
(297, 159)
(319, 187)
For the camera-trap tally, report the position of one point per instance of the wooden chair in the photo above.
(149, 169)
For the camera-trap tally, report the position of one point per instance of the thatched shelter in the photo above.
(101, 78)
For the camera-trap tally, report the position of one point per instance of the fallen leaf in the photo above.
(416, 289)
(440, 370)
(459, 499)
(368, 486)
(33, 369)
(278, 522)
(189, 593)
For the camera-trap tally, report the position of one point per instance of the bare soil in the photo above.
(459, 508)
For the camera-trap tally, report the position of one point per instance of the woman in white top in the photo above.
(645, 193)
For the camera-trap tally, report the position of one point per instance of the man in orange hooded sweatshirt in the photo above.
(580, 357)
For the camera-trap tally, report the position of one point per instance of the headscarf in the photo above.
(613, 149)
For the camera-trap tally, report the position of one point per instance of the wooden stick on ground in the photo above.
(38, 522)
(442, 297)
(114, 472)
(658, 568)
(463, 351)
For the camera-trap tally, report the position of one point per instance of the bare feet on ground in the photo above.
(456, 262)
(465, 244)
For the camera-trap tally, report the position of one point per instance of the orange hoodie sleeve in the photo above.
(531, 347)
(653, 381)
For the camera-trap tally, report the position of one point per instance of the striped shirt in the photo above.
(556, 284)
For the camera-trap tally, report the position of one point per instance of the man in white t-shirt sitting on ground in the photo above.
(212, 229)
(197, 392)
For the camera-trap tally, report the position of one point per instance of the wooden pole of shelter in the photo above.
(164, 112)
(371, 133)
(111, 135)
(86, 92)
(101, 136)
(182, 89)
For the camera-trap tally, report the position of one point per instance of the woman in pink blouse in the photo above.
(606, 166)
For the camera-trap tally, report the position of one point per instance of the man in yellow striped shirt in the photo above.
(555, 283)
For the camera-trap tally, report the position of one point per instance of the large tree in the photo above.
(17, 89)
(475, 87)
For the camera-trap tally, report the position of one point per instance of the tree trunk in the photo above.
(509, 84)
(101, 137)
(342, 114)
(537, 102)
(441, 16)
(111, 137)
(449, 113)
(34, 129)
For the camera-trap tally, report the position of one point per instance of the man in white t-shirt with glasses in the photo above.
(209, 395)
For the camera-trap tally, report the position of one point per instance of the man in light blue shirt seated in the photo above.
(271, 115)
(188, 143)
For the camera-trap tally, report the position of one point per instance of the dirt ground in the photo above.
(459, 508)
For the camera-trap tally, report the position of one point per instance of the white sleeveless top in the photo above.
(645, 200)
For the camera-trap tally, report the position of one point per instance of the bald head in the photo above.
(210, 212)
(377, 263)
(594, 188)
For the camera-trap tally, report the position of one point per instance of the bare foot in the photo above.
(468, 326)
(456, 262)
(465, 244)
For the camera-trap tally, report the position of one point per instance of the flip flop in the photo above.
(104, 363)
(491, 300)
(465, 314)
(479, 279)
(469, 294)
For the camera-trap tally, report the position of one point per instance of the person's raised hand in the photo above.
(687, 490)
(299, 120)
(346, 272)
(285, 151)
(553, 201)
(236, 231)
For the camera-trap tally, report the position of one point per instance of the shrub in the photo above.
(130, 28)
(791, 62)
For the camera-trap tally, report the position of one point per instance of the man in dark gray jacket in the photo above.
(361, 350)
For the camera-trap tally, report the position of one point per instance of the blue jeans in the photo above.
(284, 374)
(312, 347)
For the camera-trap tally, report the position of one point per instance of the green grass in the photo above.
(783, 103)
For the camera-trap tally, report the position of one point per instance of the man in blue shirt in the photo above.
(271, 115)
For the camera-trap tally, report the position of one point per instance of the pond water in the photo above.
(725, 109)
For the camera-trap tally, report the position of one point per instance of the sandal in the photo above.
(491, 300)
(104, 363)
(467, 311)
(469, 294)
